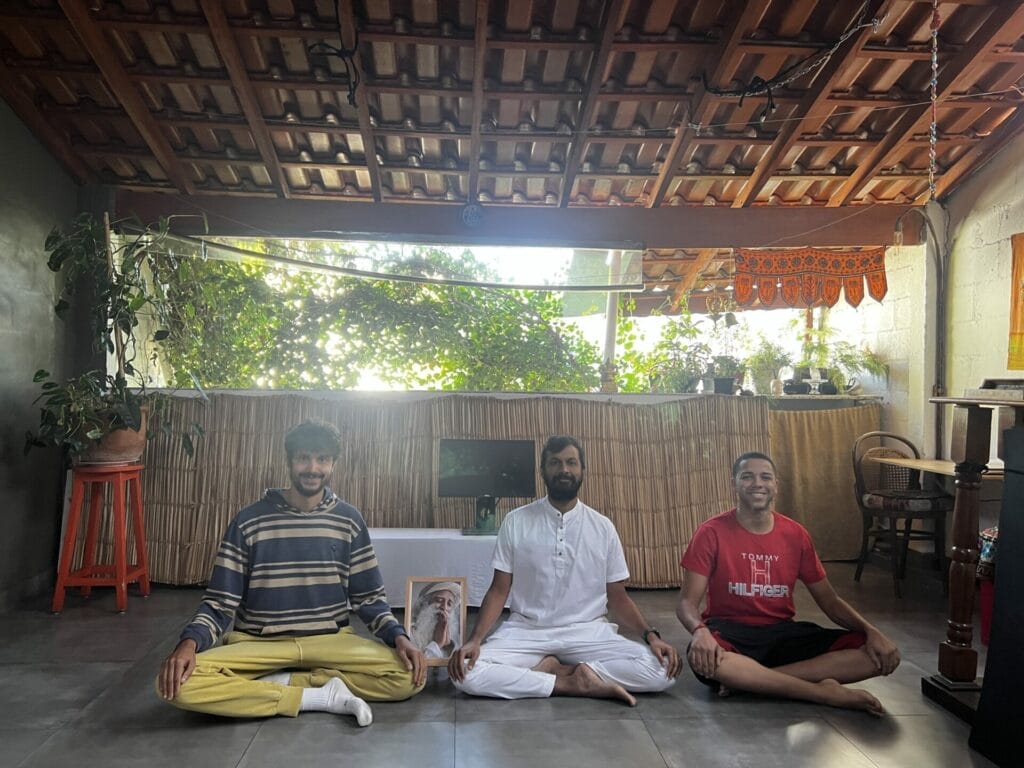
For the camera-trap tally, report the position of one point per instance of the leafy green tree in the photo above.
(676, 363)
(253, 324)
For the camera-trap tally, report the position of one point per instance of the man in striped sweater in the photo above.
(290, 569)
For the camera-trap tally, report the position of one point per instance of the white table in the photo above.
(405, 552)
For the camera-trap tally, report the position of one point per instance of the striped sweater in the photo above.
(280, 571)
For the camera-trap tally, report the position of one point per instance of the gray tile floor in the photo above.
(76, 689)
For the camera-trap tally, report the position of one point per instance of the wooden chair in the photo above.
(888, 494)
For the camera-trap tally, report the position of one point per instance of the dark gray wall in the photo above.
(35, 195)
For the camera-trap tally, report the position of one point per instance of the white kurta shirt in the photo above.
(561, 564)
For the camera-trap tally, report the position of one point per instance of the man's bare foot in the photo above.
(553, 666)
(586, 682)
(837, 695)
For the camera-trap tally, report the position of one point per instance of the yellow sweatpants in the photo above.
(224, 683)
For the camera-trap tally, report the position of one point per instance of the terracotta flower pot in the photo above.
(120, 446)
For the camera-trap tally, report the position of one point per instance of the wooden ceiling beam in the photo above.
(479, 70)
(41, 128)
(350, 31)
(810, 107)
(224, 39)
(955, 73)
(123, 89)
(606, 138)
(726, 55)
(595, 78)
(977, 156)
(607, 227)
(179, 77)
(693, 273)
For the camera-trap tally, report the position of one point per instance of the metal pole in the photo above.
(611, 314)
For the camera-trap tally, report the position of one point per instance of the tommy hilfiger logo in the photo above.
(760, 584)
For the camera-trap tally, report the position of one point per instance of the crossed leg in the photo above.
(581, 680)
(818, 680)
(592, 661)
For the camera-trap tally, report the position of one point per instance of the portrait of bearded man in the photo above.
(436, 619)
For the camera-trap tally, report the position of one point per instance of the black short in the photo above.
(775, 645)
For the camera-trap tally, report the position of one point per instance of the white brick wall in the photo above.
(984, 213)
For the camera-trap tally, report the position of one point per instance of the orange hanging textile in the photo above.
(806, 277)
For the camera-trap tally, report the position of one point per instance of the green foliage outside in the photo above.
(677, 362)
(252, 324)
(764, 363)
(844, 361)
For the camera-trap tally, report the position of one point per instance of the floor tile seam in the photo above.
(85, 711)
(455, 736)
(417, 719)
(835, 727)
(758, 716)
(65, 661)
(549, 721)
(938, 714)
(249, 745)
(36, 663)
(53, 734)
(657, 746)
(630, 714)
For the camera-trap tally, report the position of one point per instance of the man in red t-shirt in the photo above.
(747, 561)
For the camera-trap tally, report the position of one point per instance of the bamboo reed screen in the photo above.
(657, 467)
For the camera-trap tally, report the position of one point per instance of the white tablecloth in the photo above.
(405, 552)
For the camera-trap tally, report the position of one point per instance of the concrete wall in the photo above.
(983, 214)
(35, 195)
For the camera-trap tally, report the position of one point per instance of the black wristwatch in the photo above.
(647, 634)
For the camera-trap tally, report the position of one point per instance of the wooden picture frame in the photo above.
(425, 596)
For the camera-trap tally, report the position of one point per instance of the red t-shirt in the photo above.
(751, 576)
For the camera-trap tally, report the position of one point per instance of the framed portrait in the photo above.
(435, 615)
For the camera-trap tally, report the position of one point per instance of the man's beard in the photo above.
(426, 623)
(560, 491)
(303, 490)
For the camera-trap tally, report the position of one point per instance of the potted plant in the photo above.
(681, 369)
(101, 416)
(678, 361)
(843, 360)
(764, 363)
(847, 361)
(722, 372)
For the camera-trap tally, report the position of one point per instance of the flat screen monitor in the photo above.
(499, 468)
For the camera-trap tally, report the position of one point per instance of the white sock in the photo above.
(284, 677)
(337, 698)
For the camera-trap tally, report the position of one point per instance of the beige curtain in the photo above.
(812, 452)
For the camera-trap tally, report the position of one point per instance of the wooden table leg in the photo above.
(958, 661)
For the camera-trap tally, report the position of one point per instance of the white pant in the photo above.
(504, 667)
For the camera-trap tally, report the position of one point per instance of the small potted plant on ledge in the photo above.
(680, 370)
(723, 373)
(764, 363)
(99, 416)
(842, 360)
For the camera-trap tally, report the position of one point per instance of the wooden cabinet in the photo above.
(997, 723)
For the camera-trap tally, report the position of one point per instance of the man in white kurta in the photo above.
(560, 565)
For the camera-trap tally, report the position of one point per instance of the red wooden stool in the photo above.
(119, 575)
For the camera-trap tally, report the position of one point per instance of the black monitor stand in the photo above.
(485, 517)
